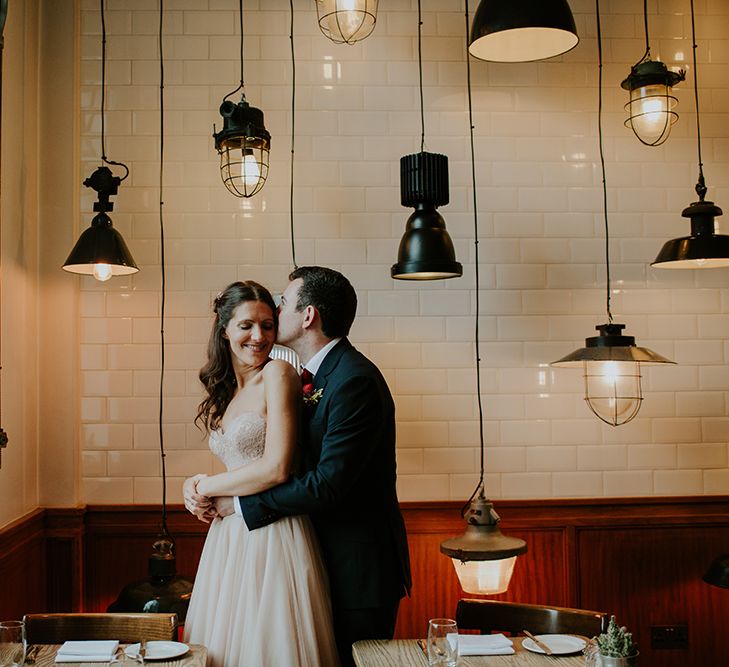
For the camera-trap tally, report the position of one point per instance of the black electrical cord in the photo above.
(701, 184)
(420, 74)
(241, 86)
(293, 136)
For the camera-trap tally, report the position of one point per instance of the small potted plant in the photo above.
(615, 648)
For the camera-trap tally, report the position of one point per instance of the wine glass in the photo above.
(442, 642)
(12, 643)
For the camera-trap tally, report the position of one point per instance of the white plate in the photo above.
(559, 644)
(159, 650)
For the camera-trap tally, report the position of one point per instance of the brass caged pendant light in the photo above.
(100, 250)
(244, 143)
(704, 248)
(346, 21)
(426, 250)
(483, 557)
(611, 361)
(650, 109)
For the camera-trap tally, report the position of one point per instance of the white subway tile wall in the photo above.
(541, 240)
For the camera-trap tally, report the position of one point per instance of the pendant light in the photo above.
(163, 591)
(426, 250)
(610, 361)
(650, 109)
(704, 248)
(100, 250)
(483, 557)
(346, 21)
(514, 31)
(244, 143)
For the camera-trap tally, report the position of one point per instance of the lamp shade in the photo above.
(611, 367)
(426, 250)
(483, 556)
(703, 249)
(718, 572)
(101, 251)
(522, 30)
(244, 145)
(650, 109)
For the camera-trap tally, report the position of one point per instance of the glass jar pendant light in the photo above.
(650, 109)
(704, 248)
(100, 250)
(611, 361)
(244, 143)
(483, 557)
(346, 21)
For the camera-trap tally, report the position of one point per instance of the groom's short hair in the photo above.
(331, 294)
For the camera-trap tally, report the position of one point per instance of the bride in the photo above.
(261, 598)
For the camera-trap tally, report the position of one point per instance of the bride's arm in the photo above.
(282, 389)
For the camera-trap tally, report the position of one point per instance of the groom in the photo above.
(348, 487)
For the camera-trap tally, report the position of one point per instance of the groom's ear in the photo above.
(310, 315)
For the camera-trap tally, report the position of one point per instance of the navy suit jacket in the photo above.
(348, 487)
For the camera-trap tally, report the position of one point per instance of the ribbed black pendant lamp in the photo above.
(426, 250)
(163, 591)
(100, 250)
(244, 143)
(512, 31)
(650, 109)
(346, 21)
(483, 556)
(704, 248)
(718, 572)
(610, 361)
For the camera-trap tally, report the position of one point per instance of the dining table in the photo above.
(46, 657)
(408, 653)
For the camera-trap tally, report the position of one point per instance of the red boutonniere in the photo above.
(311, 395)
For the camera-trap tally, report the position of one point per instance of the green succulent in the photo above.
(617, 642)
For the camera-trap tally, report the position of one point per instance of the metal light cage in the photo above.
(244, 164)
(346, 21)
(650, 109)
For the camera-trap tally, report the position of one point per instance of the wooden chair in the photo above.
(513, 618)
(127, 628)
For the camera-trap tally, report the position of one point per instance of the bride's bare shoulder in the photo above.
(278, 369)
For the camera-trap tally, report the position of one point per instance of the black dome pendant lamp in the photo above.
(514, 31)
(100, 250)
(426, 250)
(704, 248)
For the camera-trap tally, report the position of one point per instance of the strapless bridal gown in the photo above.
(261, 597)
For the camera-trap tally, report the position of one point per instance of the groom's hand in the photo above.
(224, 506)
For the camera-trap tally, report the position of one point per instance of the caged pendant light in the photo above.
(611, 361)
(514, 31)
(244, 143)
(650, 109)
(100, 250)
(704, 248)
(346, 21)
(426, 250)
(483, 557)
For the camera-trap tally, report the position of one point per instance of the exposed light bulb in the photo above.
(250, 170)
(346, 20)
(651, 111)
(613, 390)
(102, 272)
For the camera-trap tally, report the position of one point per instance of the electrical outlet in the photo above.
(669, 636)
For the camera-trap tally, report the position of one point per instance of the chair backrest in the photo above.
(127, 628)
(513, 618)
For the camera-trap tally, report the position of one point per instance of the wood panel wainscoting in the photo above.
(639, 558)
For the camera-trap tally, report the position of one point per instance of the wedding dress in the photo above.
(261, 597)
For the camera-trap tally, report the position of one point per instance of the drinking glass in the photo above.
(12, 643)
(442, 642)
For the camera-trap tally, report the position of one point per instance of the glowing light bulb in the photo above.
(651, 112)
(346, 20)
(250, 171)
(102, 272)
(612, 390)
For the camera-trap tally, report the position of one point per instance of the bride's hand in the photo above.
(194, 502)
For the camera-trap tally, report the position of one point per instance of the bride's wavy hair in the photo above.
(217, 375)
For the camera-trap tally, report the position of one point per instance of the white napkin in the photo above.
(88, 651)
(483, 644)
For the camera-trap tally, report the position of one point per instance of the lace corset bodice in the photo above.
(241, 442)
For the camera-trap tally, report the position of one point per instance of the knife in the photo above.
(538, 642)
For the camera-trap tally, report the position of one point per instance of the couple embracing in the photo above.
(306, 551)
